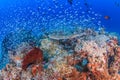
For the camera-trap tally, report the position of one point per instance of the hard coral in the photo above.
(32, 57)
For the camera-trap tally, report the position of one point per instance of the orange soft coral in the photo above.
(76, 75)
(32, 57)
(99, 71)
(36, 69)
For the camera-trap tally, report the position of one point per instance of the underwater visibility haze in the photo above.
(59, 39)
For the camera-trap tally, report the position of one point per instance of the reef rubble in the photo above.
(89, 55)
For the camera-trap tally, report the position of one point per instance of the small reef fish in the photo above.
(117, 3)
(86, 5)
(70, 2)
(107, 17)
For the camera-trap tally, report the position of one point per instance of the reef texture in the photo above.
(86, 55)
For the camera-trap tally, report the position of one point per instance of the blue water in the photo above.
(41, 16)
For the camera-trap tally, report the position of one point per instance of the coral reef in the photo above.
(85, 55)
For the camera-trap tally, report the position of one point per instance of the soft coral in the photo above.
(32, 57)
